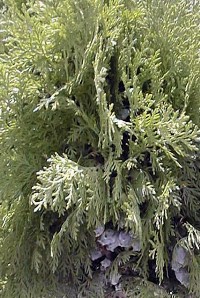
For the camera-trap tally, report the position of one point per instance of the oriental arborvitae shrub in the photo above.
(99, 147)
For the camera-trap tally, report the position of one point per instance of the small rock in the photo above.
(99, 231)
(95, 255)
(108, 237)
(105, 263)
(115, 279)
(123, 113)
(180, 258)
(114, 245)
(136, 245)
(125, 239)
(182, 276)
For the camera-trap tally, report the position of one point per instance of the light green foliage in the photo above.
(69, 162)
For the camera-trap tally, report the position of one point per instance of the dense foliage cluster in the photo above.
(99, 127)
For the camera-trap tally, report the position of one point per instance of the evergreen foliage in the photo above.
(99, 124)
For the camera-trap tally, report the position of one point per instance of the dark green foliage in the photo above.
(99, 123)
